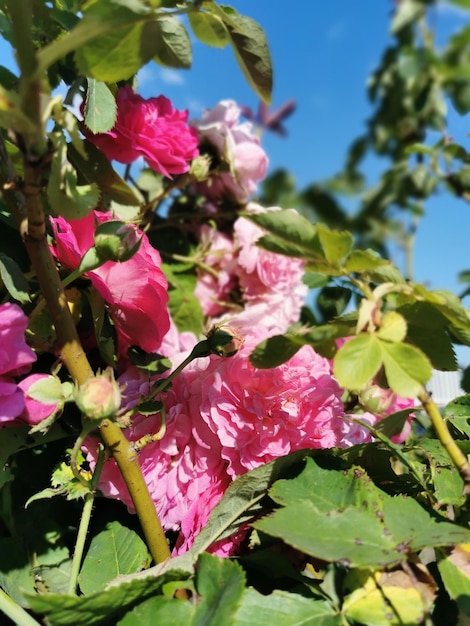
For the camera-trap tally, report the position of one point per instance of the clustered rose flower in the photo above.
(151, 129)
(255, 286)
(240, 161)
(17, 405)
(223, 418)
(135, 290)
(15, 359)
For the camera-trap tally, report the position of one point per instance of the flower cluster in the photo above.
(221, 416)
(17, 405)
(241, 280)
(239, 162)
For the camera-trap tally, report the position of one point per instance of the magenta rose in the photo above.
(15, 359)
(151, 129)
(135, 290)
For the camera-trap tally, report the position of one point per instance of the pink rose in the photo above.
(213, 288)
(11, 401)
(235, 144)
(15, 355)
(151, 129)
(34, 410)
(181, 468)
(135, 290)
(15, 359)
(255, 286)
(259, 415)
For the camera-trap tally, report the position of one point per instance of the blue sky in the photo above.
(322, 55)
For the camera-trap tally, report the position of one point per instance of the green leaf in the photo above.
(393, 327)
(314, 280)
(208, 28)
(114, 551)
(407, 369)
(282, 608)
(436, 345)
(251, 51)
(15, 570)
(333, 300)
(448, 483)
(103, 606)
(66, 197)
(355, 526)
(457, 413)
(160, 610)
(328, 489)
(173, 45)
(184, 307)
(220, 582)
(364, 261)
(357, 361)
(288, 226)
(100, 107)
(97, 169)
(406, 12)
(241, 499)
(274, 351)
(149, 362)
(14, 279)
(455, 574)
(55, 577)
(335, 243)
(117, 55)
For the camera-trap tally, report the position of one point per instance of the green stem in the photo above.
(80, 543)
(84, 524)
(200, 349)
(15, 612)
(74, 455)
(458, 457)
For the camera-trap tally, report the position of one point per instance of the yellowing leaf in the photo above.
(393, 327)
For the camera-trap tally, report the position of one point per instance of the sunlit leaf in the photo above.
(357, 361)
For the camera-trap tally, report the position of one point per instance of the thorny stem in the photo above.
(458, 457)
(27, 208)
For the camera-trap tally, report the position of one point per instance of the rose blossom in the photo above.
(213, 288)
(180, 467)
(235, 143)
(259, 415)
(35, 411)
(135, 290)
(15, 358)
(151, 129)
(257, 286)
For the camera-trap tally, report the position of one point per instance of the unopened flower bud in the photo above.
(224, 340)
(117, 241)
(375, 399)
(200, 167)
(99, 397)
